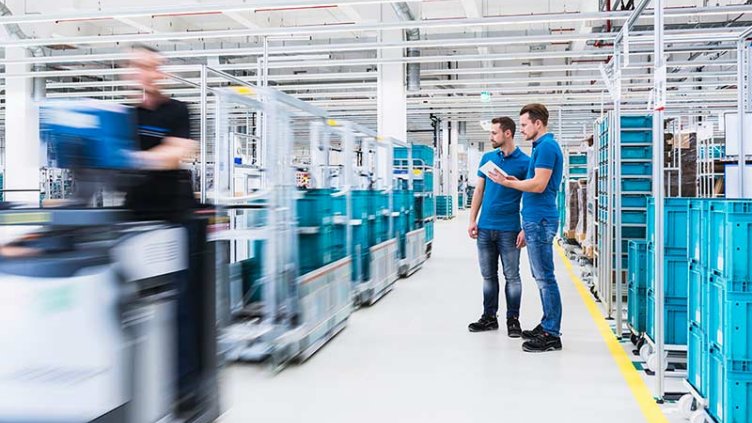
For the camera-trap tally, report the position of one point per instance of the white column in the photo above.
(391, 95)
(454, 172)
(22, 151)
(444, 158)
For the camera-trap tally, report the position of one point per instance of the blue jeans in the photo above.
(539, 237)
(491, 246)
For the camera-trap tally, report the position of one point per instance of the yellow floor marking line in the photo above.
(640, 390)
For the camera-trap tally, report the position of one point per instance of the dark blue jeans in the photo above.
(539, 237)
(491, 246)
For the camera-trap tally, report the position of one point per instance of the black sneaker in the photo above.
(484, 323)
(530, 334)
(514, 330)
(542, 343)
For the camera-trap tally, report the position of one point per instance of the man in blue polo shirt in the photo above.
(498, 230)
(540, 221)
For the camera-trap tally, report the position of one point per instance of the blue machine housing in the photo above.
(89, 134)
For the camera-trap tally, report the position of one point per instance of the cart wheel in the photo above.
(653, 362)
(687, 405)
(635, 339)
(640, 343)
(646, 351)
(697, 417)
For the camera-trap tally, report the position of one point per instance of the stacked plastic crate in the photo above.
(675, 271)
(320, 241)
(424, 201)
(402, 211)
(636, 184)
(637, 285)
(444, 207)
(698, 220)
(727, 311)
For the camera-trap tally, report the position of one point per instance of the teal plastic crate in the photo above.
(636, 137)
(698, 219)
(418, 202)
(578, 171)
(637, 264)
(634, 201)
(316, 208)
(315, 250)
(424, 183)
(642, 121)
(423, 155)
(637, 152)
(697, 359)
(636, 185)
(636, 169)
(633, 232)
(444, 206)
(637, 313)
(403, 201)
(429, 207)
(360, 200)
(578, 159)
(359, 251)
(429, 231)
(729, 389)
(729, 317)
(675, 225)
(633, 217)
(730, 239)
(675, 276)
(697, 293)
(674, 319)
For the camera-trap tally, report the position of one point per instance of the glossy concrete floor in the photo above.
(410, 358)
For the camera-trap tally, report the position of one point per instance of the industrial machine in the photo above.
(91, 304)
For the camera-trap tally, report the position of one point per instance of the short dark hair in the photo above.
(505, 123)
(536, 111)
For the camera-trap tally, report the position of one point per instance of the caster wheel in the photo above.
(697, 417)
(634, 339)
(687, 405)
(653, 362)
(640, 343)
(646, 351)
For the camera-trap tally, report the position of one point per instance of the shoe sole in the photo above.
(482, 330)
(514, 335)
(549, 349)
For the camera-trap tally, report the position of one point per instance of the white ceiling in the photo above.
(520, 73)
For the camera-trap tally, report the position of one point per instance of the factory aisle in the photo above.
(410, 358)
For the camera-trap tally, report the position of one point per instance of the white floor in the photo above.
(410, 358)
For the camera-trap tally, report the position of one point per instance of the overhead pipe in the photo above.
(598, 43)
(411, 34)
(327, 28)
(14, 31)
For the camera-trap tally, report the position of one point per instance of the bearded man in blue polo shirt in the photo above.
(540, 221)
(499, 231)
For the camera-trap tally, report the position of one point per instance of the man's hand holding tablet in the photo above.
(496, 174)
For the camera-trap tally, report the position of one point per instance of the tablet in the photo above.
(489, 165)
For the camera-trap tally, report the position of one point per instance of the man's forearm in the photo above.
(475, 206)
(528, 185)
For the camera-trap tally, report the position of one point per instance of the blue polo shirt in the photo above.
(501, 205)
(546, 155)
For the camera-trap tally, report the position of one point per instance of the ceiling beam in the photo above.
(237, 17)
(323, 29)
(139, 26)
